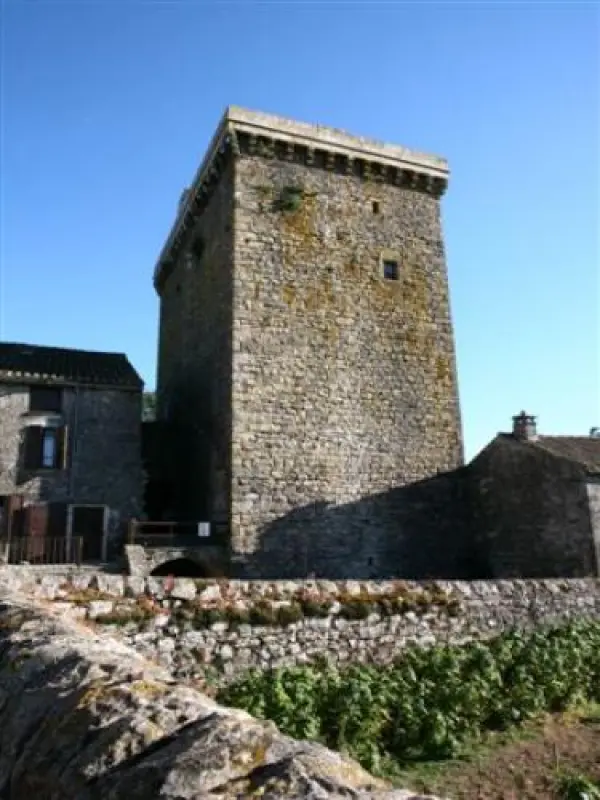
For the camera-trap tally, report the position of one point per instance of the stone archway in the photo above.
(181, 568)
(201, 562)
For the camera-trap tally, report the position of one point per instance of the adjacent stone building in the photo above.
(70, 462)
(306, 363)
(535, 502)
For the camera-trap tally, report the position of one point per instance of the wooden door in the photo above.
(15, 516)
(88, 523)
(36, 525)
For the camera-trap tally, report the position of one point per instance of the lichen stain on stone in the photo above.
(299, 232)
(443, 371)
(91, 694)
(147, 688)
(288, 293)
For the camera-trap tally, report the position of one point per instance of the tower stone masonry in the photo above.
(306, 351)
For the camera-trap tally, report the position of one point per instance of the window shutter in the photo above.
(33, 447)
(62, 447)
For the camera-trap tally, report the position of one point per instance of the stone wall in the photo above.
(197, 628)
(83, 717)
(194, 361)
(103, 451)
(344, 384)
(533, 513)
(593, 496)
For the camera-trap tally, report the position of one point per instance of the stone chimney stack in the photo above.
(524, 427)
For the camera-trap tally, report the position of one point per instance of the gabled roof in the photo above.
(63, 365)
(584, 450)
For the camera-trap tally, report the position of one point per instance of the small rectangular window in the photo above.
(390, 270)
(44, 398)
(49, 448)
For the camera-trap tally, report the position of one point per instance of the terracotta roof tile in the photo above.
(25, 361)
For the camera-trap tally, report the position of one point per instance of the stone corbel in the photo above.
(234, 142)
(289, 151)
(440, 186)
(430, 184)
(266, 148)
(379, 175)
(329, 161)
(252, 144)
(310, 156)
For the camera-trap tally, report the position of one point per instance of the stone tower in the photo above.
(306, 355)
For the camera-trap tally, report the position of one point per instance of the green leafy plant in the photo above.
(289, 614)
(290, 198)
(315, 608)
(574, 786)
(432, 701)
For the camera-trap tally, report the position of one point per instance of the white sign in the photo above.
(204, 529)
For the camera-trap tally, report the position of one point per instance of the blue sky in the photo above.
(107, 107)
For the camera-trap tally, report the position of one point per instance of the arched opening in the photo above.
(181, 568)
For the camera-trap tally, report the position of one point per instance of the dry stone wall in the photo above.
(217, 630)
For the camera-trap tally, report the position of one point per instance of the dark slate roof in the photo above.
(584, 450)
(58, 364)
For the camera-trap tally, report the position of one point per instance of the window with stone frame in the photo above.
(390, 270)
(45, 398)
(44, 448)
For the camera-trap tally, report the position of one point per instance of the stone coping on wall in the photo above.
(520, 592)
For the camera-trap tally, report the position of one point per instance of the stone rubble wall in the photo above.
(210, 629)
(84, 717)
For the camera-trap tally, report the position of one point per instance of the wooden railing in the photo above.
(167, 534)
(42, 550)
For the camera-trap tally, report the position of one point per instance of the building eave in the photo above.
(15, 378)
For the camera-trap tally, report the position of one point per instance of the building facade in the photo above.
(70, 461)
(306, 356)
(535, 504)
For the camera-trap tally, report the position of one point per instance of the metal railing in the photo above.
(168, 534)
(42, 550)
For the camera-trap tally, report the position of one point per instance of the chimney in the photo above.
(524, 427)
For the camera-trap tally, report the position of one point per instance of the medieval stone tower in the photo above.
(306, 357)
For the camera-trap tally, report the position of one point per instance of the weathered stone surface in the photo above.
(482, 609)
(83, 717)
(318, 399)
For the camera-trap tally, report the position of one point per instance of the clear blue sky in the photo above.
(107, 107)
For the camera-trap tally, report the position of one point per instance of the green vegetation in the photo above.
(432, 702)
(359, 607)
(573, 786)
(291, 198)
